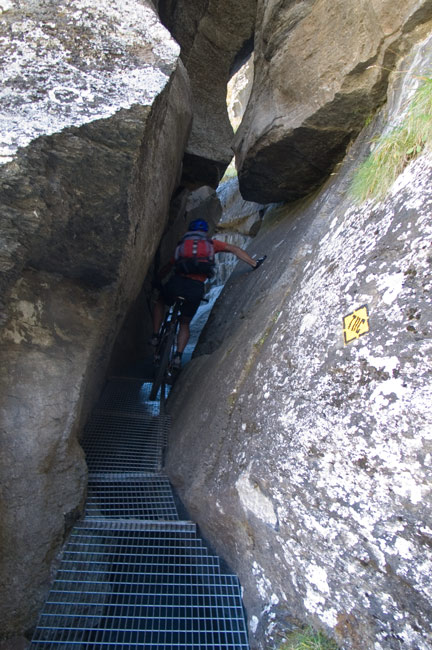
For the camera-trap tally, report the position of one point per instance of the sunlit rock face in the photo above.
(305, 460)
(213, 36)
(94, 121)
(321, 70)
(95, 66)
(244, 216)
(238, 92)
(66, 65)
(240, 221)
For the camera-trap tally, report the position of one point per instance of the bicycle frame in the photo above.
(166, 348)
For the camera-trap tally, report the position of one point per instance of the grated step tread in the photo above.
(132, 575)
(130, 396)
(148, 497)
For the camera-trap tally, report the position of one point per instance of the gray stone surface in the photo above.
(82, 213)
(64, 201)
(306, 461)
(66, 66)
(242, 216)
(239, 90)
(238, 221)
(211, 34)
(321, 70)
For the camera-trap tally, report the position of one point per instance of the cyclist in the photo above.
(190, 286)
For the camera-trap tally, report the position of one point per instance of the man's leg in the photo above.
(193, 292)
(158, 316)
(183, 334)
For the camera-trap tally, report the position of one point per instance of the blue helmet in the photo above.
(199, 224)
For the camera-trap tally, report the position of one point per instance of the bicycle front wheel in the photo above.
(161, 369)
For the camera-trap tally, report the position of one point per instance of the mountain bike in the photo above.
(165, 350)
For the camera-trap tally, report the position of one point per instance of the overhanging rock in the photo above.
(95, 118)
(67, 67)
(74, 112)
(321, 70)
(211, 34)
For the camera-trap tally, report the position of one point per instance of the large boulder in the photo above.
(95, 118)
(321, 70)
(305, 460)
(239, 222)
(238, 215)
(215, 36)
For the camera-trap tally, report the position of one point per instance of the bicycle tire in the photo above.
(164, 361)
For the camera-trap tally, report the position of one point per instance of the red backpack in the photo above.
(195, 254)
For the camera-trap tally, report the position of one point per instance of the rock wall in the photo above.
(244, 216)
(321, 70)
(238, 93)
(95, 118)
(239, 222)
(306, 461)
(213, 36)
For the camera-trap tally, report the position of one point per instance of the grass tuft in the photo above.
(307, 639)
(396, 149)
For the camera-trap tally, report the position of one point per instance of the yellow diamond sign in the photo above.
(356, 324)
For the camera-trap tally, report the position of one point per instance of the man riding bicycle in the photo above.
(193, 262)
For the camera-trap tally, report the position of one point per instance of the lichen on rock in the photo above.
(65, 66)
(333, 438)
(95, 118)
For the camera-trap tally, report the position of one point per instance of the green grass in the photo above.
(307, 639)
(396, 149)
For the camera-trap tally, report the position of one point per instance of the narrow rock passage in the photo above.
(132, 574)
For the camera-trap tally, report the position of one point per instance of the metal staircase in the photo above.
(132, 575)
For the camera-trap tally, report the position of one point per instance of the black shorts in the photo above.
(192, 290)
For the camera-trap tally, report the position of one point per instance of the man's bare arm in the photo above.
(241, 254)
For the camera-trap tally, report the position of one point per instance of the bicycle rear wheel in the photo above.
(165, 349)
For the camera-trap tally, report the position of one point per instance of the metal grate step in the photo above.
(127, 497)
(98, 548)
(175, 527)
(224, 586)
(152, 544)
(132, 575)
(141, 587)
(116, 442)
(128, 395)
